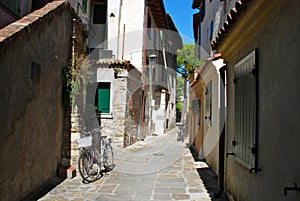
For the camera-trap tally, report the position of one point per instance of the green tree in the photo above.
(187, 61)
(179, 87)
(179, 96)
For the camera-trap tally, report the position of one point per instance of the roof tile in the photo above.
(17, 29)
(231, 19)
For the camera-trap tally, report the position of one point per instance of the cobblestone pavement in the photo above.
(158, 168)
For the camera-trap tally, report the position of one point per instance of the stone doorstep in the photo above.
(67, 172)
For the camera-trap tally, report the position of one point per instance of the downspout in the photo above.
(144, 69)
(123, 42)
(119, 24)
(162, 37)
(222, 136)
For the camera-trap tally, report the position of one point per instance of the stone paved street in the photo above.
(159, 168)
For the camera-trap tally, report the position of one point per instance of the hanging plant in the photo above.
(77, 74)
(116, 72)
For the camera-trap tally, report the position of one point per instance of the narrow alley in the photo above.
(158, 168)
(223, 74)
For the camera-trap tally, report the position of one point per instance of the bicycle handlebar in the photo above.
(91, 132)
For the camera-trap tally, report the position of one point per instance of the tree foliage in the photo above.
(187, 61)
(179, 87)
(179, 96)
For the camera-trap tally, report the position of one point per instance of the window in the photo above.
(211, 29)
(155, 39)
(245, 111)
(84, 5)
(103, 97)
(100, 10)
(149, 27)
(202, 11)
(208, 104)
(12, 5)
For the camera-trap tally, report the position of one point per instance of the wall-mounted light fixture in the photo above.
(152, 60)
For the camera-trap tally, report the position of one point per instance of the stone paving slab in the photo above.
(163, 171)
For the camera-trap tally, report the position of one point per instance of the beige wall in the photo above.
(31, 103)
(211, 131)
(205, 135)
(278, 111)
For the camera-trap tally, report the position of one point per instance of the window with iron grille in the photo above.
(245, 111)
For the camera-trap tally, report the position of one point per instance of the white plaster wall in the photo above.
(99, 37)
(123, 32)
(211, 131)
(130, 44)
(214, 10)
(172, 111)
(159, 115)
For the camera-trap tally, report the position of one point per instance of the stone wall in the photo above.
(115, 127)
(133, 109)
(123, 128)
(33, 52)
(122, 125)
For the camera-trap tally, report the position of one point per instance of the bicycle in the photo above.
(95, 151)
(180, 132)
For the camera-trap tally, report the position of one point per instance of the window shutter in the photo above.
(245, 145)
(103, 97)
(84, 5)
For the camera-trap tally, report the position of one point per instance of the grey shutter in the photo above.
(245, 111)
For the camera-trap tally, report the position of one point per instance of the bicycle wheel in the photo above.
(89, 168)
(108, 157)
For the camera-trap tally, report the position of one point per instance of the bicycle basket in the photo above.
(84, 142)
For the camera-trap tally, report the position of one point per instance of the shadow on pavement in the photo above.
(44, 189)
(209, 178)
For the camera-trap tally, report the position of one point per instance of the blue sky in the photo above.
(182, 14)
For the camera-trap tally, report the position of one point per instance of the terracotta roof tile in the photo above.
(110, 63)
(232, 17)
(196, 3)
(16, 30)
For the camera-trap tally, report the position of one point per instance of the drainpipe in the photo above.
(144, 69)
(162, 37)
(73, 41)
(222, 136)
(119, 24)
(123, 42)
